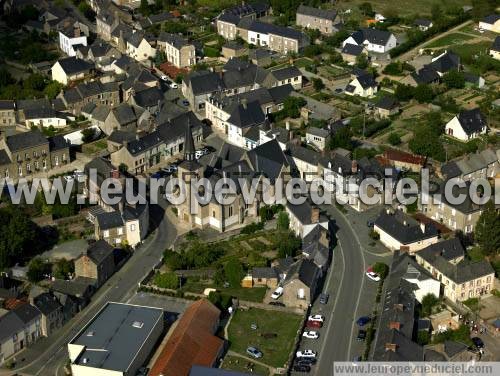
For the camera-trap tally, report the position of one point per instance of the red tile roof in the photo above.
(401, 156)
(191, 342)
(13, 303)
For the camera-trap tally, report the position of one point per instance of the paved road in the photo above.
(48, 356)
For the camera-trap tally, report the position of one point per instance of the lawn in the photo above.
(254, 294)
(275, 350)
(94, 147)
(465, 51)
(303, 62)
(406, 7)
(454, 38)
(235, 363)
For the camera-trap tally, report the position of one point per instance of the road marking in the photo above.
(330, 320)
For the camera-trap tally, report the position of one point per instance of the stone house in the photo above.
(107, 94)
(467, 125)
(96, 262)
(462, 279)
(7, 113)
(51, 310)
(265, 276)
(481, 165)
(300, 284)
(71, 69)
(177, 50)
(232, 49)
(304, 218)
(317, 19)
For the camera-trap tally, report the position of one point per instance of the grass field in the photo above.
(254, 294)
(405, 7)
(465, 51)
(275, 350)
(235, 363)
(454, 38)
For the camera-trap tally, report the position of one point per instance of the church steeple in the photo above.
(189, 149)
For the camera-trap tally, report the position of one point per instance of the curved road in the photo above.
(48, 356)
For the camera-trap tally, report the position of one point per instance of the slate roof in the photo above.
(73, 65)
(135, 38)
(423, 22)
(264, 272)
(265, 28)
(10, 324)
(496, 44)
(491, 19)
(100, 113)
(203, 82)
(472, 121)
(305, 154)
(469, 164)
(149, 97)
(426, 75)
(280, 93)
(173, 39)
(352, 49)
(239, 73)
(327, 14)
(26, 140)
(58, 142)
(47, 303)
(99, 251)
(146, 142)
(247, 115)
(286, 73)
(374, 36)
(6, 105)
(26, 313)
(439, 256)
(119, 136)
(319, 132)
(445, 62)
(304, 270)
(268, 158)
(109, 220)
(387, 102)
(77, 287)
(366, 81)
(124, 114)
(393, 224)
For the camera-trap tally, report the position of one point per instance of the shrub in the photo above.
(374, 235)
(166, 280)
(394, 139)
(252, 227)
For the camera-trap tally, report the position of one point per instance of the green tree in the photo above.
(288, 244)
(318, 84)
(424, 93)
(341, 139)
(292, 106)
(482, 8)
(37, 269)
(88, 134)
(404, 92)
(425, 142)
(429, 301)
(63, 268)
(394, 139)
(436, 12)
(366, 9)
(381, 269)
(168, 280)
(53, 89)
(233, 270)
(144, 8)
(487, 232)
(454, 79)
(283, 221)
(362, 61)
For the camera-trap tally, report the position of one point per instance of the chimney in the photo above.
(314, 215)
(422, 227)
(398, 307)
(354, 166)
(287, 125)
(391, 347)
(388, 211)
(244, 103)
(405, 223)
(77, 32)
(395, 325)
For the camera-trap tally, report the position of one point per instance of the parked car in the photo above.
(254, 352)
(363, 320)
(314, 324)
(370, 223)
(164, 78)
(317, 317)
(279, 304)
(277, 293)
(185, 102)
(305, 354)
(478, 342)
(361, 335)
(69, 178)
(306, 361)
(173, 85)
(323, 298)
(373, 276)
(311, 334)
(301, 368)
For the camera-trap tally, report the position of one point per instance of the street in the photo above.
(48, 356)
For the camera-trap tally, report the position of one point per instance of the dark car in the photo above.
(314, 324)
(339, 90)
(370, 223)
(323, 298)
(478, 342)
(301, 368)
(361, 335)
(279, 304)
(306, 361)
(363, 320)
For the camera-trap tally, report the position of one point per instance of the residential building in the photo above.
(178, 51)
(29, 152)
(374, 40)
(51, 310)
(261, 56)
(300, 286)
(490, 23)
(122, 117)
(228, 20)
(445, 62)
(399, 231)
(117, 341)
(317, 19)
(456, 216)
(105, 23)
(106, 94)
(96, 262)
(232, 49)
(284, 76)
(264, 276)
(462, 279)
(73, 37)
(198, 86)
(423, 24)
(304, 218)
(315, 109)
(318, 137)
(363, 85)
(316, 247)
(350, 52)
(402, 160)
(467, 125)
(71, 69)
(191, 342)
(139, 46)
(19, 328)
(386, 107)
(480, 165)
(495, 49)
(305, 161)
(243, 124)
(7, 113)
(44, 117)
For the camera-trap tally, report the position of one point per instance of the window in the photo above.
(230, 211)
(20, 170)
(28, 167)
(132, 227)
(56, 160)
(105, 233)
(120, 231)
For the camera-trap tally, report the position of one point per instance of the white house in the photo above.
(495, 49)
(70, 69)
(423, 24)
(304, 218)
(374, 40)
(467, 125)
(44, 117)
(491, 23)
(364, 86)
(139, 48)
(305, 161)
(424, 283)
(72, 37)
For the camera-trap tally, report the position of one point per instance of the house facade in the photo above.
(177, 50)
(467, 125)
(317, 19)
(97, 262)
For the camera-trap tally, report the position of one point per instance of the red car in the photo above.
(314, 324)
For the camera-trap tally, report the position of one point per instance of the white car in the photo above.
(373, 276)
(312, 334)
(277, 293)
(319, 318)
(164, 78)
(306, 354)
(69, 178)
(199, 154)
(174, 85)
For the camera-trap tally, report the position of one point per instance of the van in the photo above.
(277, 293)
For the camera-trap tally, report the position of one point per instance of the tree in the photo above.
(394, 69)
(436, 12)
(292, 106)
(381, 269)
(424, 93)
(487, 232)
(318, 84)
(233, 270)
(53, 89)
(283, 221)
(394, 139)
(362, 61)
(429, 301)
(404, 92)
(168, 280)
(482, 8)
(454, 79)
(144, 8)
(88, 134)
(288, 244)
(366, 9)
(341, 139)
(37, 269)
(425, 142)
(63, 269)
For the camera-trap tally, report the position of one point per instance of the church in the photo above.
(265, 161)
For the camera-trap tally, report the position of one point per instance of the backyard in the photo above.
(235, 363)
(453, 38)
(274, 336)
